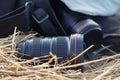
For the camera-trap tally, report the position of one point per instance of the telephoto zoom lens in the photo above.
(64, 47)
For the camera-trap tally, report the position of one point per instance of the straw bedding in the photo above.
(40, 68)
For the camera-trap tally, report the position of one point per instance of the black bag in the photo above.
(11, 17)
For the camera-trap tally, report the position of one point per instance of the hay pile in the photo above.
(13, 68)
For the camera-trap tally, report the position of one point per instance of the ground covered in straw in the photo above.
(13, 68)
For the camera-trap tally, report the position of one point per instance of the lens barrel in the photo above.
(74, 22)
(91, 30)
(64, 47)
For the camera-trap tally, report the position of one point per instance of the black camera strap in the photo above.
(46, 19)
(42, 19)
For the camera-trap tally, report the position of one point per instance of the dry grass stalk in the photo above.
(89, 62)
(78, 55)
(13, 68)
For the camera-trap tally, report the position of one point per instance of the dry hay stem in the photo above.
(13, 68)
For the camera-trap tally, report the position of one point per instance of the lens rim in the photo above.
(77, 44)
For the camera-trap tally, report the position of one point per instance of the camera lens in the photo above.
(64, 47)
(91, 30)
(74, 22)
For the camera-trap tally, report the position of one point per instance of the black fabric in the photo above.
(6, 6)
(46, 5)
(44, 23)
(13, 16)
(111, 34)
(109, 24)
(111, 28)
(10, 8)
